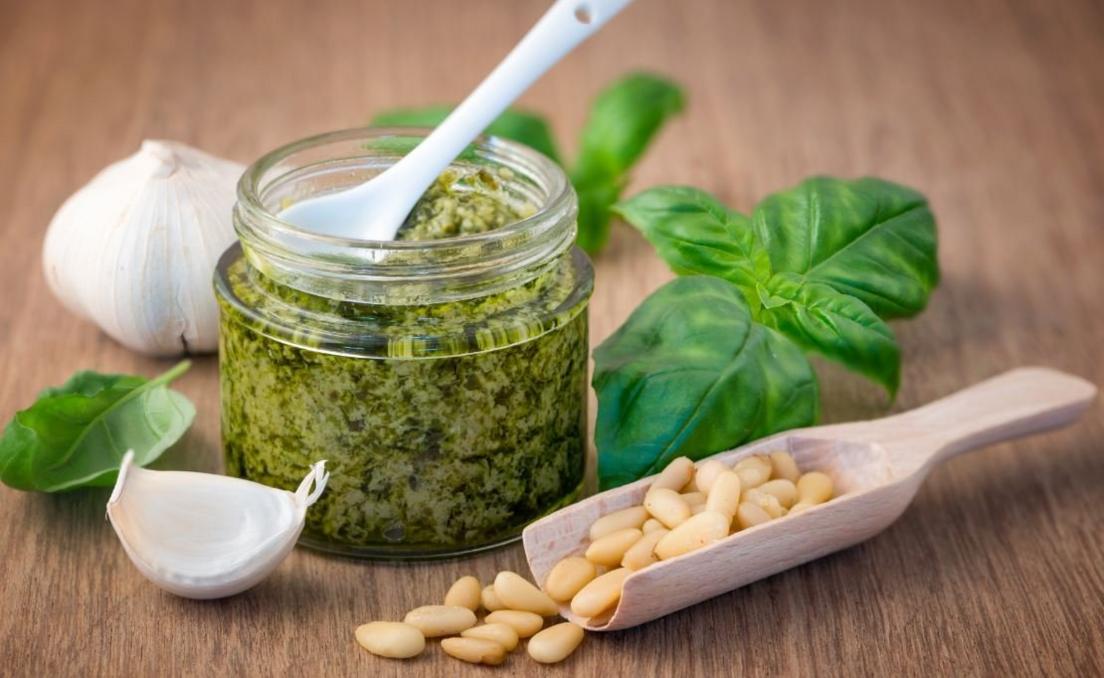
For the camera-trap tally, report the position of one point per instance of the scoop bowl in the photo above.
(876, 466)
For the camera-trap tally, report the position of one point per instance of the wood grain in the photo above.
(991, 107)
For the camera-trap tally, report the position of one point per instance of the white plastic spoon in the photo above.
(376, 209)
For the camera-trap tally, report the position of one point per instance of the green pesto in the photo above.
(461, 423)
(461, 204)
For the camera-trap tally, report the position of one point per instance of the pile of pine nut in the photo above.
(685, 509)
(515, 610)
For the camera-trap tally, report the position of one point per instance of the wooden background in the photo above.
(994, 108)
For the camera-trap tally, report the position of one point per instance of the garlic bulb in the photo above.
(201, 535)
(135, 249)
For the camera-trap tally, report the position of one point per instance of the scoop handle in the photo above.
(566, 24)
(1014, 404)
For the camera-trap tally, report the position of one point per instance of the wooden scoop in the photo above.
(876, 467)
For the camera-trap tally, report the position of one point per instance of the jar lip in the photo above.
(560, 193)
(396, 271)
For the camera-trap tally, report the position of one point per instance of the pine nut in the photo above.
(798, 508)
(707, 474)
(754, 461)
(391, 639)
(503, 634)
(642, 553)
(700, 530)
(490, 599)
(691, 486)
(651, 525)
(693, 498)
(814, 488)
(666, 506)
(753, 471)
(465, 592)
(517, 593)
(610, 549)
(751, 477)
(750, 515)
(474, 650)
(675, 475)
(783, 466)
(524, 623)
(440, 620)
(568, 576)
(600, 594)
(782, 489)
(634, 516)
(724, 496)
(555, 643)
(768, 502)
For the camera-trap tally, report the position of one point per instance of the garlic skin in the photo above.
(135, 249)
(201, 535)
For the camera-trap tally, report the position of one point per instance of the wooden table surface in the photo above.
(991, 107)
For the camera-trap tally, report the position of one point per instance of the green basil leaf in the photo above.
(690, 373)
(520, 126)
(75, 435)
(623, 120)
(426, 116)
(401, 144)
(696, 234)
(836, 325)
(594, 213)
(868, 238)
(526, 128)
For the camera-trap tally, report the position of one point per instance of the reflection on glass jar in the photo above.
(443, 380)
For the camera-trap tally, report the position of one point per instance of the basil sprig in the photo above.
(690, 372)
(75, 435)
(623, 120)
(818, 268)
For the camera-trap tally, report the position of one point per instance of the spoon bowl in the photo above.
(875, 466)
(376, 209)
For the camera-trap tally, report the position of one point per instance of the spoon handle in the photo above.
(560, 30)
(1014, 404)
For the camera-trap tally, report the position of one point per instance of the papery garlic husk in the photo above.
(134, 251)
(201, 535)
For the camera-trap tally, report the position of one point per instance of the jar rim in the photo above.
(248, 193)
(361, 269)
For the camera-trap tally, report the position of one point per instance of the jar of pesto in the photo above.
(441, 375)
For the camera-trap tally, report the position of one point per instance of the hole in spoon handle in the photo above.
(583, 14)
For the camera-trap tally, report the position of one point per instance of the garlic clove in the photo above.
(135, 249)
(201, 535)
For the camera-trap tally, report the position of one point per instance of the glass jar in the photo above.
(444, 381)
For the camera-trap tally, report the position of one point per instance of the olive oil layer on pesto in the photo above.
(433, 446)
